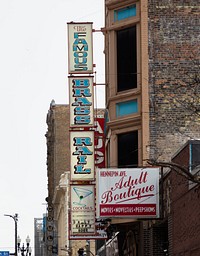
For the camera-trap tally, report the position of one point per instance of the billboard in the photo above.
(82, 155)
(80, 48)
(128, 192)
(81, 101)
(82, 210)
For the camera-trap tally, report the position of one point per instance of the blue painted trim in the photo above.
(126, 108)
(127, 12)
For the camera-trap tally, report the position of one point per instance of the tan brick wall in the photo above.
(174, 48)
(58, 154)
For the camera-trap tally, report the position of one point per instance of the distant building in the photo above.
(58, 157)
(39, 233)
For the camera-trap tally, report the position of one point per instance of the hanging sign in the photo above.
(82, 155)
(99, 142)
(82, 210)
(80, 51)
(128, 192)
(81, 101)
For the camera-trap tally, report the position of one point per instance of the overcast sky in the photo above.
(33, 71)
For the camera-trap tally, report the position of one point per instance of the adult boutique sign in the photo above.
(81, 101)
(128, 192)
(80, 48)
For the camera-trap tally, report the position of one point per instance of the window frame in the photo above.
(129, 165)
(120, 67)
(125, 8)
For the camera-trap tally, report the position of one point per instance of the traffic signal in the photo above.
(80, 252)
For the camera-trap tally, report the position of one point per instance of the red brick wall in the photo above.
(185, 207)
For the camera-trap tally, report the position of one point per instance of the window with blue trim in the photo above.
(126, 108)
(125, 13)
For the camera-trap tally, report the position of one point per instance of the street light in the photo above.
(25, 251)
(15, 218)
(82, 252)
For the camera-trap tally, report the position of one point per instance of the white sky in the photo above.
(33, 71)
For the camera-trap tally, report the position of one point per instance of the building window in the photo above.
(128, 149)
(194, 152)
(125, 13)
(126, 108)
(126, 59)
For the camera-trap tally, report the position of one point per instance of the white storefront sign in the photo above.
(128, 192)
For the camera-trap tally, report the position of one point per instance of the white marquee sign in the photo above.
(128, 192)
(80, 48)
(81, 101)
(82, 209)
(82, 155)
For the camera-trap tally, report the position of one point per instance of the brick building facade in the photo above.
(152, 87)
(57, 144)
(58, 157)
(174, 48)
(174, 113)
(152, 61)
(184, 200)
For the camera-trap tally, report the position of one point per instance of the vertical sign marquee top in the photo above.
(80, 48)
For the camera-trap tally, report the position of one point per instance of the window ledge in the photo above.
(125, 95)
(124, 122)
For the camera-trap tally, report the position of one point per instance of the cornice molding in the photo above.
(115, 3)
(124, 96)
